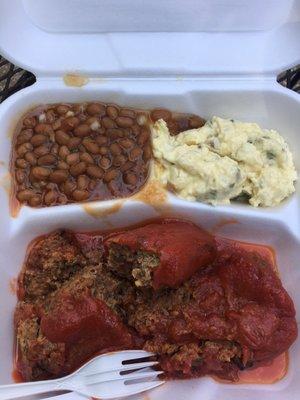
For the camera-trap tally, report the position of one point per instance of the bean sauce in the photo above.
(66, 153)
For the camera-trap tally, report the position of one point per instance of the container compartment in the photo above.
(261, 102)
(257, 230)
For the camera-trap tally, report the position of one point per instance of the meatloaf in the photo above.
(206, 306)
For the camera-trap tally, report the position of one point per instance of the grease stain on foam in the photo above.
(13, 286)
(267, 374)
(98, 211)
(153, 194)
(14, 204)
(75, 80)
(5, 181)
(221, 224)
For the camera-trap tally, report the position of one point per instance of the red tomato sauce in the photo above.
(236, 297)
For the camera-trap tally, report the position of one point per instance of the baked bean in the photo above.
(56, 124)
(183, 124)
(70, 123)
(147, 153)
(196, 122)
(108, 122)
(24, 136)
(82, 118)
(114, 189)
(50, 197)
(29, 122)
(82, 182)
(103, 150)
(47, 159)
(124, 122)
(105, 162)
(20, 175)
(111, 174)
(91, 146)
(23, 148)
(92, 185)
(82, 130)
(135, 130)
(78, 108)
(41, 150)
(115, 133)
(31, 158)
(58, 176)
(115, 149)
(21, 163)
(86, 157)
(95, 109)
(130, 178)
(78, 169)
(35, 200)
(62, 137)
(127, 143)
(173, 127)
(126, 166)
(62, 109)
(101, 140)
(68, 187)
(112, 112)
(94, 172)
(62, 165)
(54, 149)
(74, 143)
(63, 152)
(50, 116)
(38, 185)
(62, 199)
(38, 139)
(119, 160)
(40, 173)
(25, 195)
(91, 120)
(72, 158)
(80, 195)
(51, 186)
(135, 153)
(126, 112)
(143, 136)
(43, 128)
(160, 113)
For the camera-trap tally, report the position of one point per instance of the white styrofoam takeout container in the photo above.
(229, 74)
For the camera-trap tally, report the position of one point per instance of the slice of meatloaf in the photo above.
(160, 255)
(52, 260)
(84, 316)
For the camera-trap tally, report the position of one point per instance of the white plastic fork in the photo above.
(108, 376)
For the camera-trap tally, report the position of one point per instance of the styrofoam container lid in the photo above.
(53, 37)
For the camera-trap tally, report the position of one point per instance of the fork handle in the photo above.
(17, 390)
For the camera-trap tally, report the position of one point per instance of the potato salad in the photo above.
(224, 160)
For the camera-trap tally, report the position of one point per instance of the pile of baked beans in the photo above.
(65, 153)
